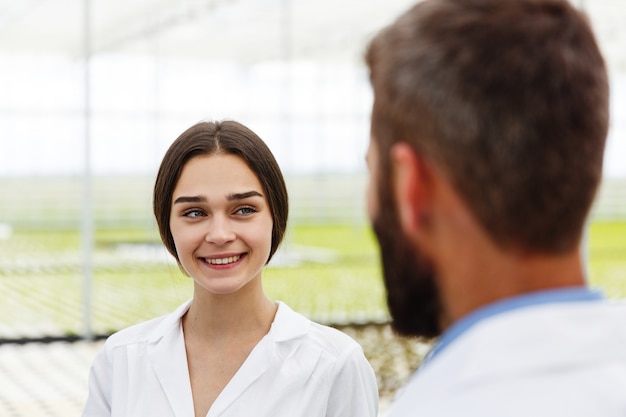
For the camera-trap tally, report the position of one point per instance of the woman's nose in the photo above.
(220, 231)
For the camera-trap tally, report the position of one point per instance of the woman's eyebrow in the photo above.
(242, 196)
(229, 197)
(190, 199)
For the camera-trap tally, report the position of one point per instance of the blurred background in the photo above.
(92, 93)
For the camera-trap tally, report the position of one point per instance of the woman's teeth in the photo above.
(222, 261)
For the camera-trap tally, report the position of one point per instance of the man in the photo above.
(487, 138)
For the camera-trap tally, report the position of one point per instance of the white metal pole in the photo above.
(87, 212)
(286, 45)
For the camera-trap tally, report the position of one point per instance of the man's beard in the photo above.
(412, 294)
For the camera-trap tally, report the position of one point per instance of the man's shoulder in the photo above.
(546, 323)
(559, 333)
(534, 360)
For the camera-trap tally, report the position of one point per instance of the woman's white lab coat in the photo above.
(299, 368)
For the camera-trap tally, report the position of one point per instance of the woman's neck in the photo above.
(223, 317)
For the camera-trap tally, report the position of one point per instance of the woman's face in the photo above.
(221, 223)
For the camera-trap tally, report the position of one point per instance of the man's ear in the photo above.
(410, 181)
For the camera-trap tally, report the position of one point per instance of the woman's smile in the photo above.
(224, 261)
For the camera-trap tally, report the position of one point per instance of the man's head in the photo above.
(508, 100)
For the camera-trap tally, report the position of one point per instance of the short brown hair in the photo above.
(226, 137)
(510, 99)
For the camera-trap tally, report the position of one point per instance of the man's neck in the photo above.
(488, 275)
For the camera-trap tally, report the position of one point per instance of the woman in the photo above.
(220, 203)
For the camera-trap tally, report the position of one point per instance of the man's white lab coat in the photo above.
(299, 368)
(566, 359)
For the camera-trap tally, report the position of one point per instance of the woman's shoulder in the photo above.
(290, 325)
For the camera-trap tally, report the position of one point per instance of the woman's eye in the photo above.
(193, 213)
(245, 211)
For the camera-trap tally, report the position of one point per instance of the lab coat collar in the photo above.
(287, 324)
(169, 359)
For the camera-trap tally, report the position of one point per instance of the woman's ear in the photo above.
(410, 180)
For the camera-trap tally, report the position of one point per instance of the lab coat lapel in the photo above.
(287, 325)
(255, 365)
(169, 361)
